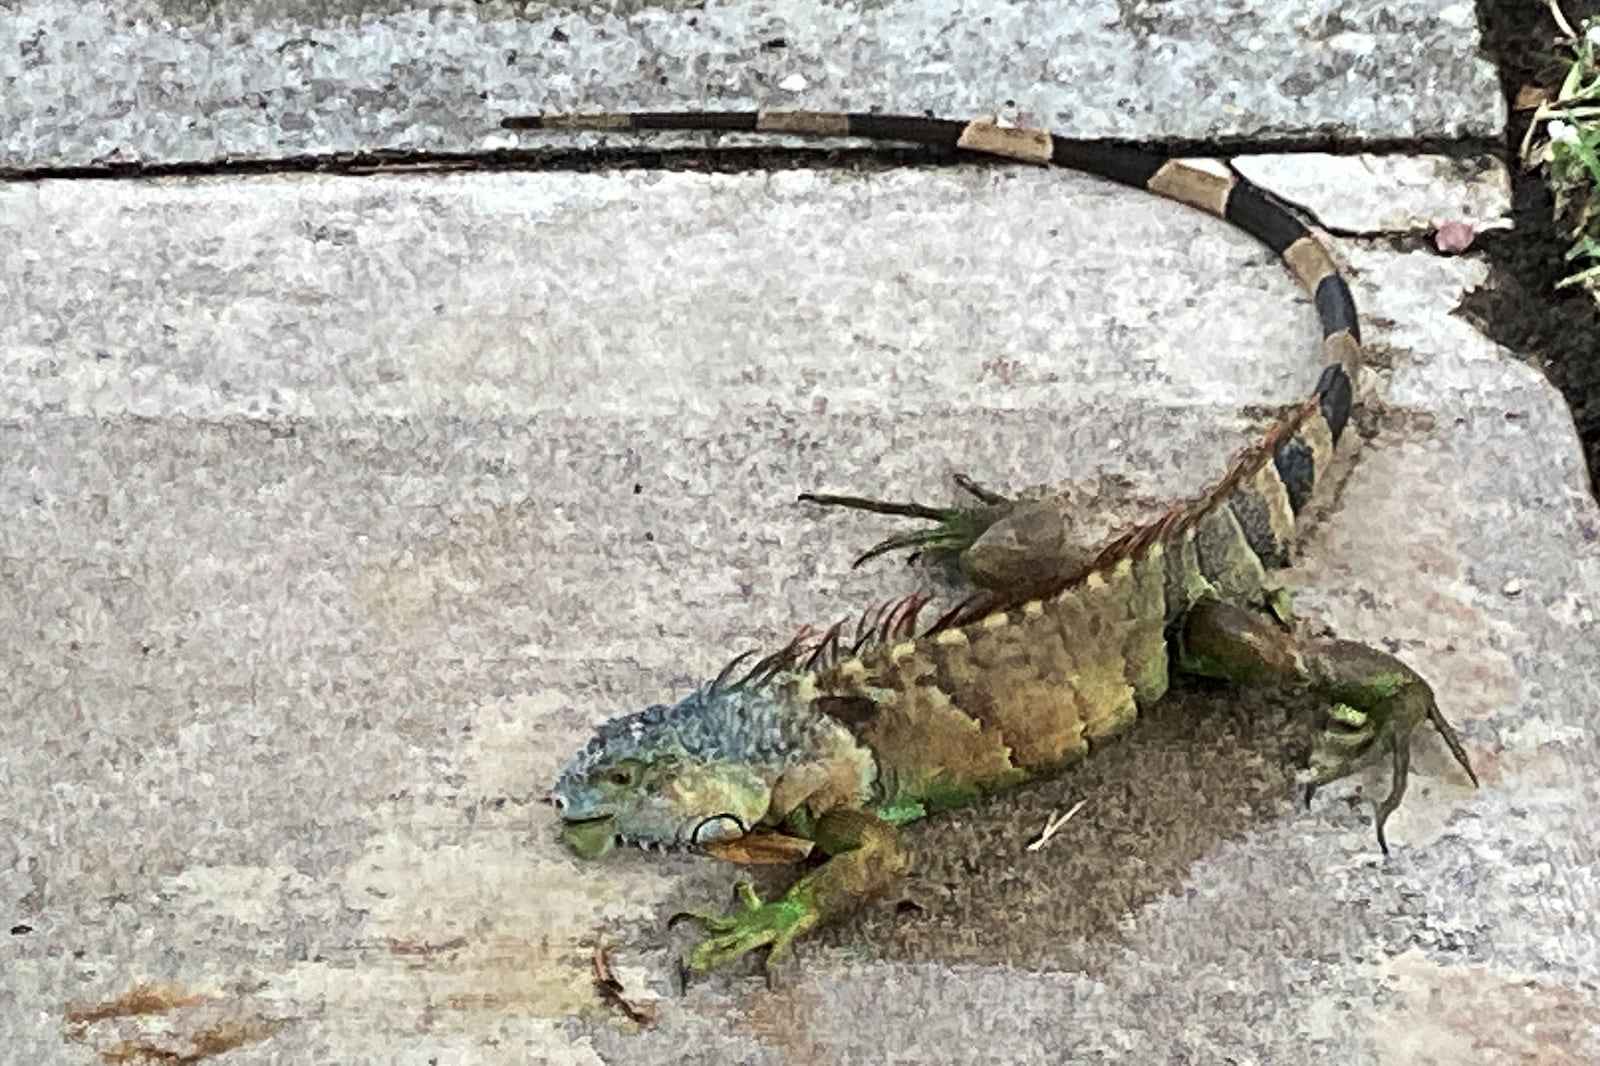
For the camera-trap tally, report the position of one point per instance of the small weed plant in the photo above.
(1564, 137)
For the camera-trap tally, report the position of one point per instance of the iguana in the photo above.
(835, 742)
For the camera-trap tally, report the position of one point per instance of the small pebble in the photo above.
(1453, 238)
(793, 83)
(1512, 588)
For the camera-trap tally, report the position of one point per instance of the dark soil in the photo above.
(1559, 332)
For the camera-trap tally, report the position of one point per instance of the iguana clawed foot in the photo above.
(773, 924)
(954, 529)
(1376, 702)
(1378, 705)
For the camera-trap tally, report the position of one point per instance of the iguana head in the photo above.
(676, 776)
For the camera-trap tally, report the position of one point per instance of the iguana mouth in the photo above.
(590, 838)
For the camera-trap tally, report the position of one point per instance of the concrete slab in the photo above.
(1369, 195)
(342, 508)
(161, 81)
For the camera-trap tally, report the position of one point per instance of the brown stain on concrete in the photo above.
(141, 999)
(166, 1024)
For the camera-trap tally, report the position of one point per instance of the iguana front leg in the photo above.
(867, 860)
(1376, 702)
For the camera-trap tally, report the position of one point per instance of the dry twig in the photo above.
(1053, 826)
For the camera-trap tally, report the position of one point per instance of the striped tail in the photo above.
(1300, 445)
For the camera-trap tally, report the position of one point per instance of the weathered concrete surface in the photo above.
(340, 509)
(1400, 194)
(192, 80)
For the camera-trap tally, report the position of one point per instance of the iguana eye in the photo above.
(622, 775)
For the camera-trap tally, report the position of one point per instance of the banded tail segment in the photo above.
(1300, 445)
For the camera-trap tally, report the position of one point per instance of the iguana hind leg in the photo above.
(868, 859)
(947, 540)
(1011, 545)
(1376, 702)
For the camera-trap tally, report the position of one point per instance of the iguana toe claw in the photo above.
(979, 493)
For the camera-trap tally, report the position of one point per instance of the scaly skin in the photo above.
(1084, 602)
(840, 748)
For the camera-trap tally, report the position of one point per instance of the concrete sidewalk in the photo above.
(158, 81)
(342, 508)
